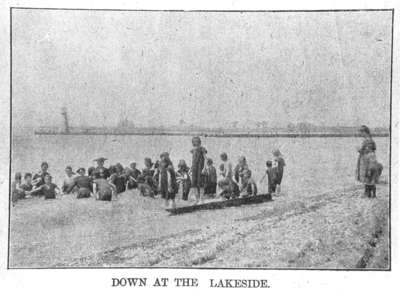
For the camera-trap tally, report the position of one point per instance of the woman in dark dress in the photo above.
(368, 169)
(198, 162)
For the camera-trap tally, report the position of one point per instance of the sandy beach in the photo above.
(333, 230)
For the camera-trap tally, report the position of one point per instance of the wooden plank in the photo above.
(222, 204)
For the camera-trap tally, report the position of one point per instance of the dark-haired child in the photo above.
(198, 162)
(27, 186)
(210, 188)
(270, 173)
(249, 186)
(167, 185)
(279, 165)
(16, 191)
(183, 178)
(49, 189)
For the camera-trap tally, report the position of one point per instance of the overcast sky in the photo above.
(206, 68)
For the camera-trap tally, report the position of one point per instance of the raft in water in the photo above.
(222, 204)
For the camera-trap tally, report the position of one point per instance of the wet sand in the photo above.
(338, 229)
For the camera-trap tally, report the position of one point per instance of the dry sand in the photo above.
(339, 230)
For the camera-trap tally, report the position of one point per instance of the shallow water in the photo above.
(312, 164)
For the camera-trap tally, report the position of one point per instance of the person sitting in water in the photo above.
(279, 165)
(101, 169)
(229, 189)
(27, 186)
(16, 191)
(91, 172)
(118, 178)
(132, 176)
(210, 184)
(249, 186)
(183, 179)
(167, 185)
(38, 178)
(68, 180)
(270, 173)
(82, 185)
(146, 184)
(102, 188)
(48, 189)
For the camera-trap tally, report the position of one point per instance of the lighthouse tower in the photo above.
(66, 124)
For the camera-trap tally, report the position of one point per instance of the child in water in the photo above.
(198, 162)
(270, 173)
(27, 186)
(210, 188)
(167, 186)
(183, 179)
(49, 189)
(248, 186)
(279, 165)
(145, 180)
(102, 188)
(16, 191)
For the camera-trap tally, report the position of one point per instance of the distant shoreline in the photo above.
(216, 135)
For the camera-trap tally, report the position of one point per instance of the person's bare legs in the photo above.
(201, 195)
(197, 195)
(173, 204)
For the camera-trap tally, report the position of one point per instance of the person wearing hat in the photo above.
(368, 168)
(82, 184)
(100, 166)
(279, 165)
(68, 180)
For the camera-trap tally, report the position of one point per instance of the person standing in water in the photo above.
(82, 184)
(167, 185)
(68, 180)
(279, 166)
(49, 189)
(38, 178)
(198, 162)
(368, 169)
(105, 173)
(102, 188)
(183, 179)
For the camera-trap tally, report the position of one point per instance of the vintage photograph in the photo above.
(200, 139)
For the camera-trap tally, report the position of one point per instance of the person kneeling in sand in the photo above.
(103, 189)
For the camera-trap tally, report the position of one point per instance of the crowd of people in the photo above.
(155, 179)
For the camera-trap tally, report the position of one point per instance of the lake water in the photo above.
(312, 164)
